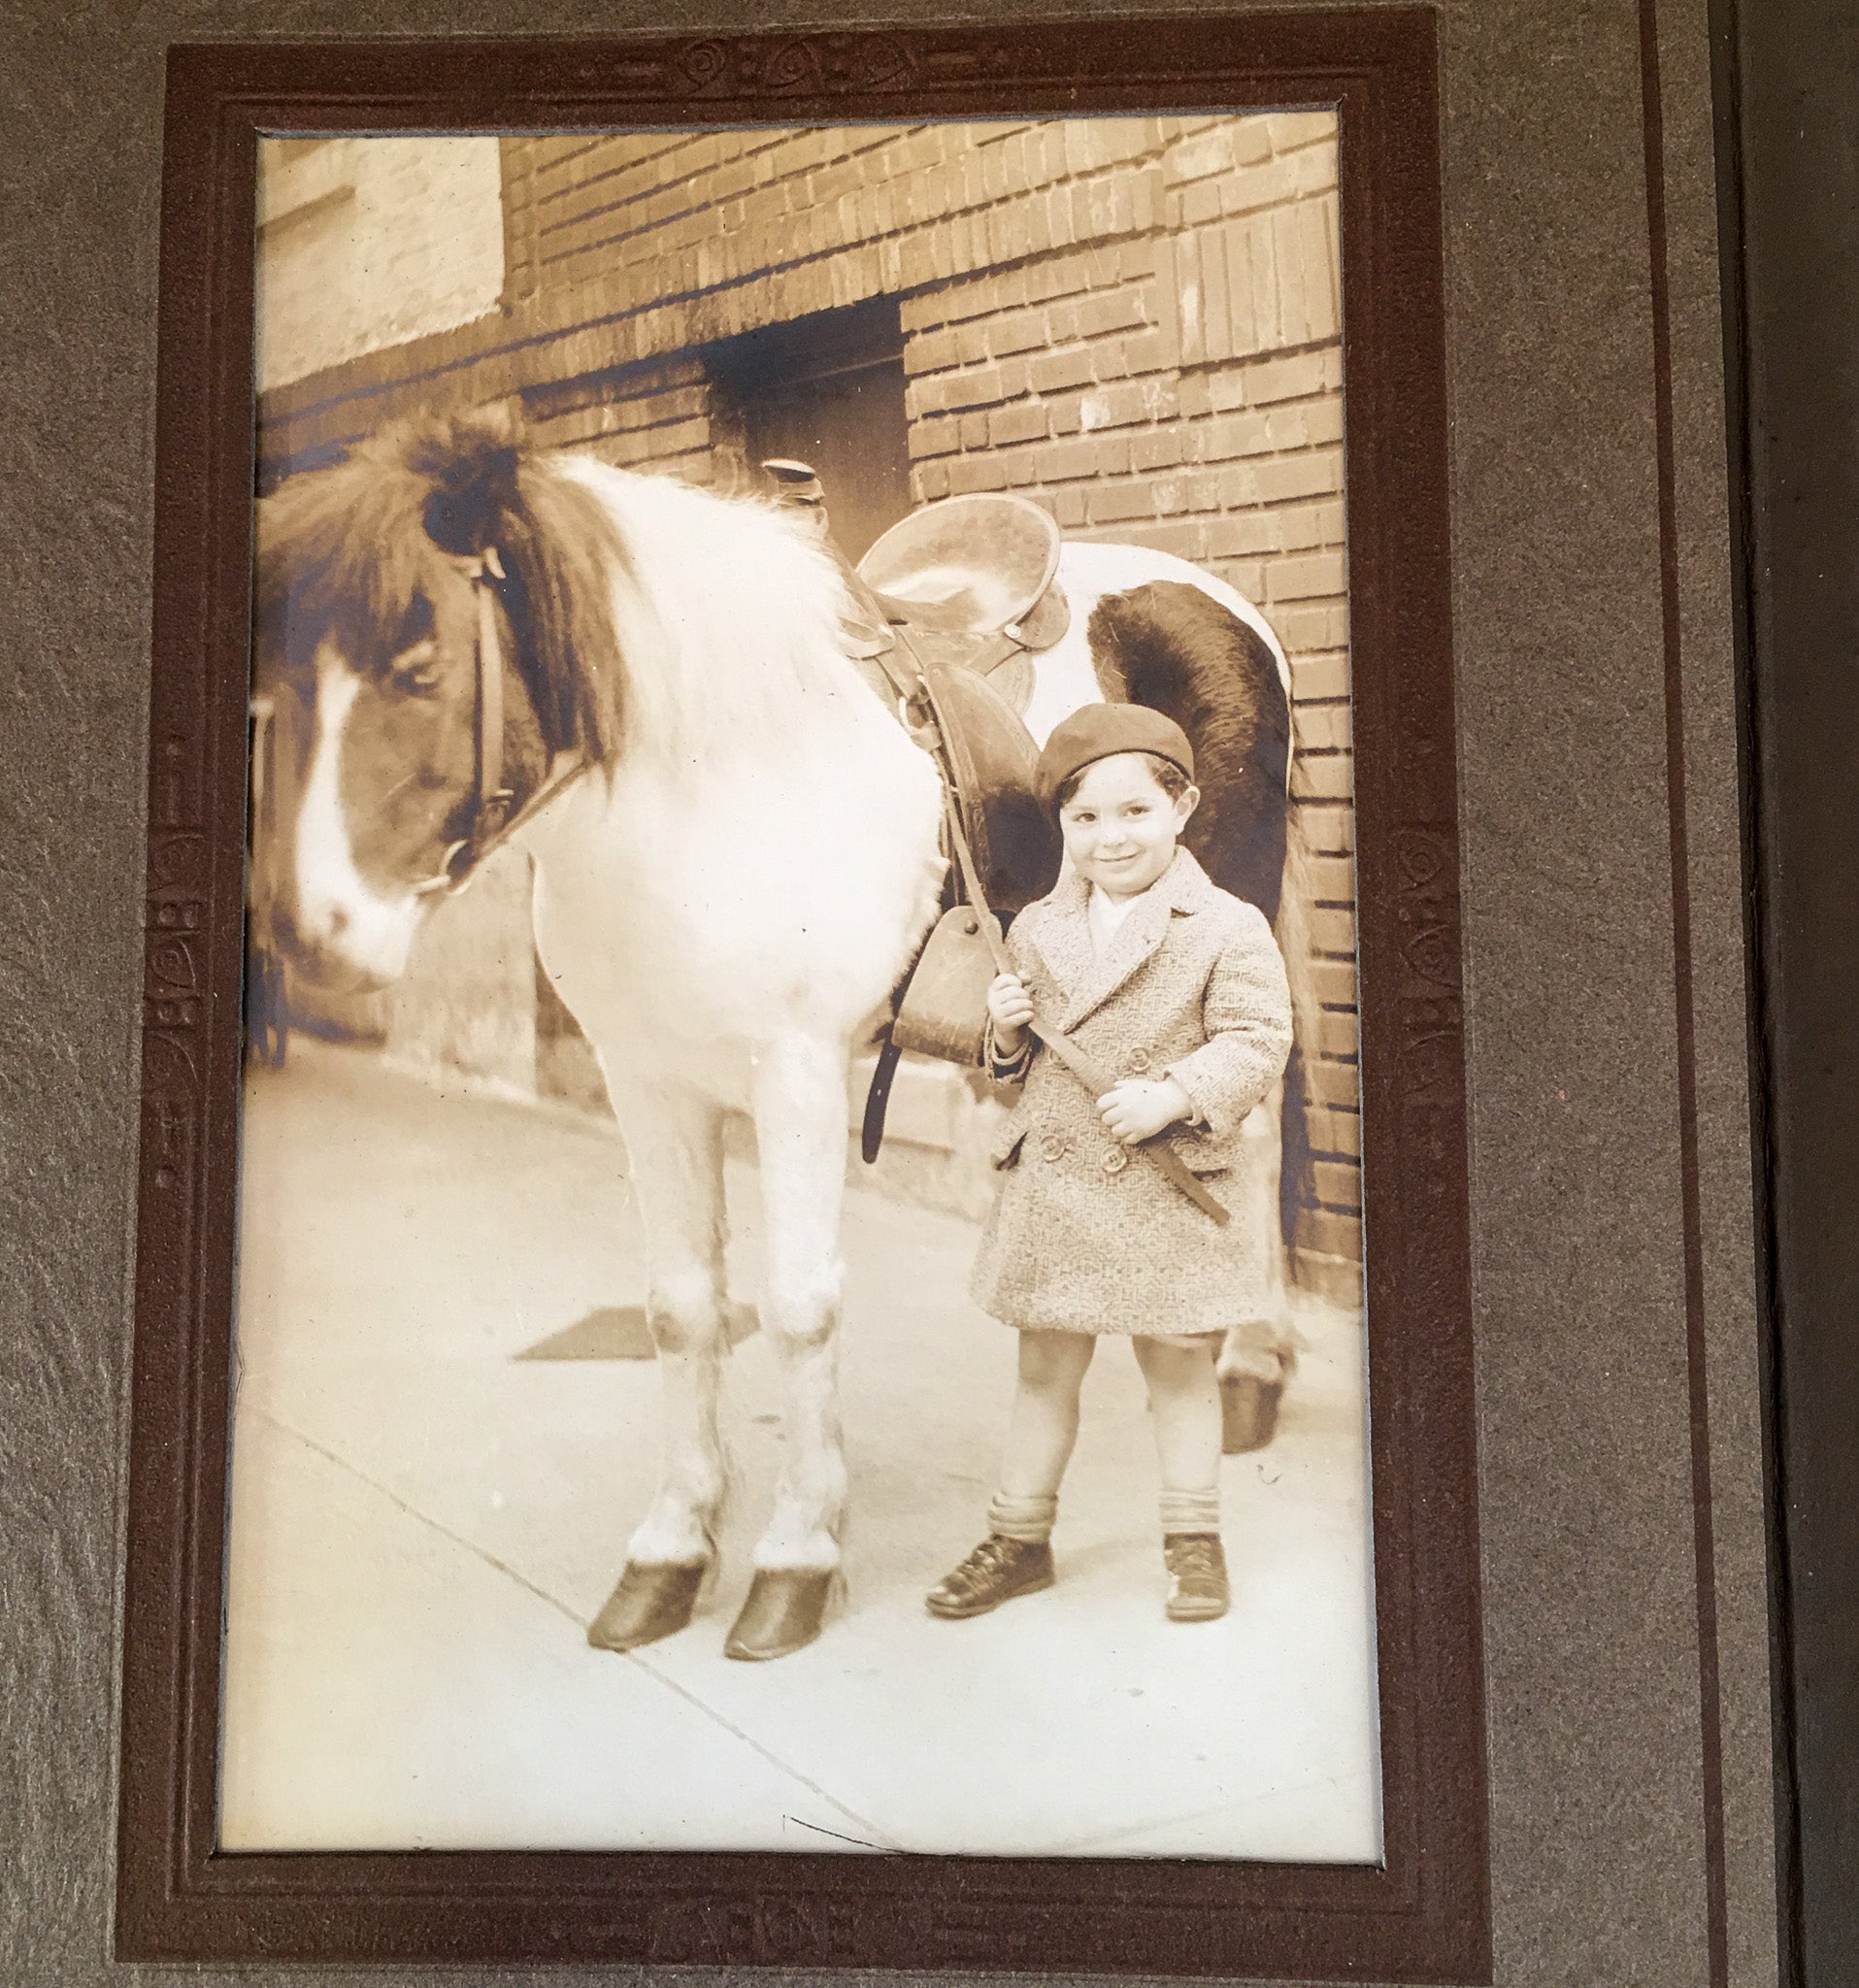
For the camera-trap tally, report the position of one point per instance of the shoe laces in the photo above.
(1193, 1556)
(994, 1552)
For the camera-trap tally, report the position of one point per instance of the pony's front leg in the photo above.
(799, 1098)
(674, 1143)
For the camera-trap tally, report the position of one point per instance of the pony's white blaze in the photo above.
(340, 917)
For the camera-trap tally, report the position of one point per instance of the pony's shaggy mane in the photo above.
(356, 549)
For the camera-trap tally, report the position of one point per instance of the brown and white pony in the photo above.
(735, 847)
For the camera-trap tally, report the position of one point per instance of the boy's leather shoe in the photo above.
(1198, 1590)
(997, 1571)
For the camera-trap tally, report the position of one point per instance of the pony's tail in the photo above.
(1297, 1174)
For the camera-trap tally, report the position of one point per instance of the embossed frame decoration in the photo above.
(1423, 1915)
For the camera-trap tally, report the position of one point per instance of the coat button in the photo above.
(1139, 1060)
(1116, 1160)
(1052, 1146)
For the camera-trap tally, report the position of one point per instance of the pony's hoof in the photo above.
(1248, 1413)
(648, 1603)
(784, 1611)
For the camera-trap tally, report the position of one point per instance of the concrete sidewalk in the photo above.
(424, 1522)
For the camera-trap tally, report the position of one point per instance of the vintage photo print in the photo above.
(799, 1278)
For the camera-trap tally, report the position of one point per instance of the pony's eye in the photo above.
(415, 672)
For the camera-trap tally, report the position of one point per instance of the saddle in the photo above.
(950, 606)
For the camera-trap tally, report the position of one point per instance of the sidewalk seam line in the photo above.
(561, 1607)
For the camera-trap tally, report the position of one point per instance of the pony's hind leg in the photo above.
(799, 1098)
(1257, 1358)
(674, 1143)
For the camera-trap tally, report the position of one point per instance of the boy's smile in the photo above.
(1120, 826)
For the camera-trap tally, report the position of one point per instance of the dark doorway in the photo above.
(827, 389)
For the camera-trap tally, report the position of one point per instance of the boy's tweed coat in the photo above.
(1086, 1235)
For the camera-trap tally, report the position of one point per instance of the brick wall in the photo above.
(367, 243)
(1134, 321)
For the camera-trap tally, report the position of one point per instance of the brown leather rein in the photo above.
(493, 821)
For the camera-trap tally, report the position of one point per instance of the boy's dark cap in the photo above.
(1099, 731)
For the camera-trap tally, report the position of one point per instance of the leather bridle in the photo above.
(492, 821)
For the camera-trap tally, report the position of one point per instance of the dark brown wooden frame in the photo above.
(1424, 1916)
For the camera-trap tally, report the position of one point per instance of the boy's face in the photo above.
(1120, 826)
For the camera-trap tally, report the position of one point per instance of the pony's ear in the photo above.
(472, 462)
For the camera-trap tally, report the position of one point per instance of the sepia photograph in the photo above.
(799, 1278)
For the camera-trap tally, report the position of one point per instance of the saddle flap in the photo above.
(993, 762)
(943, 1009)
(967, 565)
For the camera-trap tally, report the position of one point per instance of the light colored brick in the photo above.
(1334, 1134)
(1314, 473)
(1333, 982)
(1270, 184)
(1195, 401)
(1049, 372)
(939, 436)
(1230, 435)
(968, 474)
(1323, 776)
(1251, 140)
(951, 392)
(932, 352)
(1159, 451)
(1336, 1085)
(1019, 421)
(1113, 503)
(1108, 310)
(1307, 628)
(1329, 1232)
(1245, 576)
(1332, 880)
(1339, 1183)
(1179, 536)
(1294, 377)
(1242, 534)
(1290, 129)
(1112, 456)
(1066, 462)
(1021, 331)
(1204, 157)
(1315, 575)
(1134, 399)
(1299, 528)
(1337, 1037)
(1150, 351)
(1319, 677)
(1324, 727)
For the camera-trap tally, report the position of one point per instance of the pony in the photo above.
(735, 848)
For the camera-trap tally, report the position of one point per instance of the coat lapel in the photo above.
(1087, 978)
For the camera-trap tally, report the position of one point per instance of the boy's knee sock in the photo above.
(1190, 1511)
(1026, 1519)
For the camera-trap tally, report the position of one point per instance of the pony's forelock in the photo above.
(349, 550)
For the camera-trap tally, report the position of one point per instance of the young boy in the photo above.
(1179, 987)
